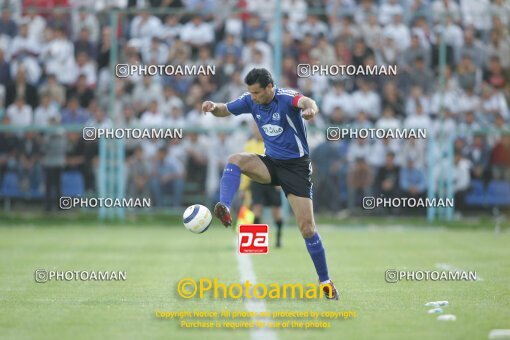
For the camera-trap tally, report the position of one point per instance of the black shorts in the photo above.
(293, 175)
(265, 195)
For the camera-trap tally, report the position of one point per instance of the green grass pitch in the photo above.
(155, 256)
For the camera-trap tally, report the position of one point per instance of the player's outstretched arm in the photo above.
(309, 107)
(217, 109)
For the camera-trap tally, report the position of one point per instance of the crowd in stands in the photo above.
(56, 72)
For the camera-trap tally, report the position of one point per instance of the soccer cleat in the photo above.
(329, 290)
(222, 212)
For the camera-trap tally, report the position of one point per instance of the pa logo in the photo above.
(276, 116)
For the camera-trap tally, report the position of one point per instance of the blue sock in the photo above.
(229, 183)
(318, 255)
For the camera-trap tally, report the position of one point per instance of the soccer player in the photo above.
(263, 195)
(279, 115)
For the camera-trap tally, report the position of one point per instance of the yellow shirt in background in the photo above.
(252, 146)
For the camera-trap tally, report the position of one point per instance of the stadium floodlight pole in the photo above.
(431, 180)
(277, 74)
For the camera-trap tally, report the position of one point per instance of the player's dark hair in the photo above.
(260, 76)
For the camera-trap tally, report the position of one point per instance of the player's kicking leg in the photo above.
(303, 210)
(240, 163)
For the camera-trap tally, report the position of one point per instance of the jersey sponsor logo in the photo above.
(272, 130)
(258, 117)
(276, 116)
(253, 239)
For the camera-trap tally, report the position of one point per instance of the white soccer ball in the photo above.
(197, 218)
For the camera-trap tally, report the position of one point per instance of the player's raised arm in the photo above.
(309, 107)
(217, 109)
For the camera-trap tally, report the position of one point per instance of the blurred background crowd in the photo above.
(56, 71)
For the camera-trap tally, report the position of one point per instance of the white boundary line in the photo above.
(253, 305)
(499, 334)
(449, 267)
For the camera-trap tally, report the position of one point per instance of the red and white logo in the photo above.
(253, 239)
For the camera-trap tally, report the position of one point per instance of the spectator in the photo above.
(371, 32)
(493, 103)
(473, 48)
(85, 45)
(329, 161)
(388, 10)
(364, 10)
(468, 101)
(420, 76)
(419, 120)
(139, 175)
(359, 181)
(153, 116)
(413, 149)
(46, 111)
(170, 101)
(367, 100)
(81, 91)
(461, 180)
(197, 33)
(468, 74)
(500, 159)
(476, 13)
(393, 99)
(36, 24)
(413, 181)
(397, 30)
(417, 98)
(85, 20)
(73, 113)
(55, 90)
(144, 26)
(479, 156)
(361, 52)
(415, 51)
(338, 97)
(53, 161)
(388, 120)
(75, 159)
(29, 168)
(145, 92)
(58, 56)
(166, 178)
(451, 32)
(323, 52)
(469, 126)
(495, 75)
(312, 26)
(380, 148)
(20, 87)
(5, 73)
(19, 113)
(501, 8)
(387, 179)
(84, 66)
(435, 53)
(7, 24)
(196, 161)
(171, 29)
(358, 149)
(442, 8)
(103, 54)
(228, 46)
(23, 46)
(155, 52)
(499, 46)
